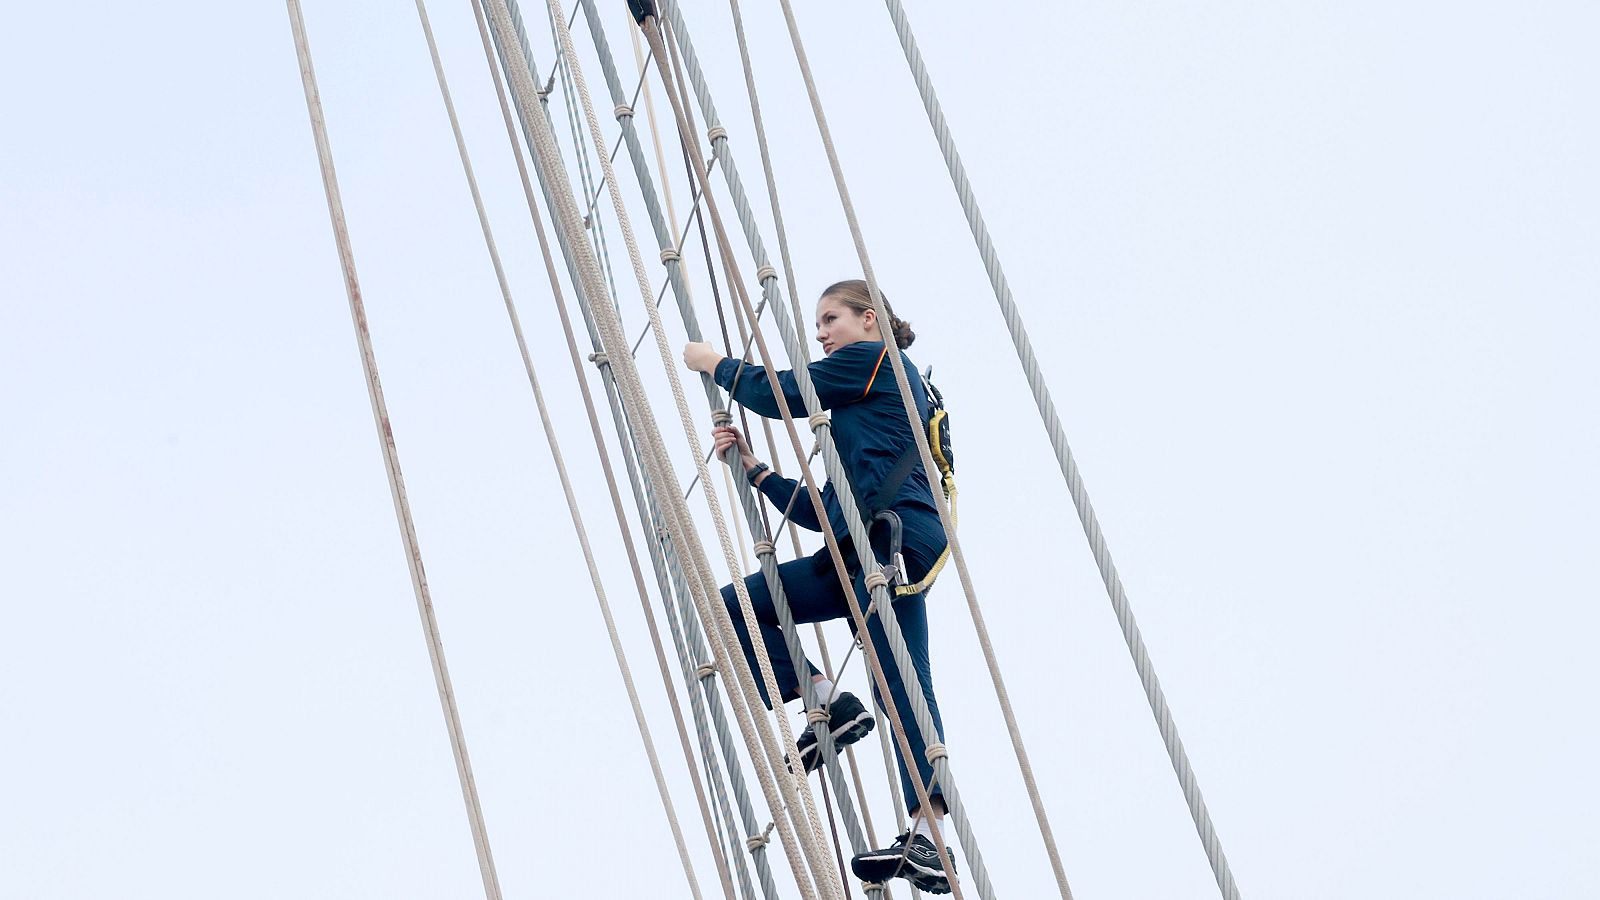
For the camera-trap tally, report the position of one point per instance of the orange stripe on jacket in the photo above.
(881, 354)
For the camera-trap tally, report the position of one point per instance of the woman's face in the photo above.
(840, 326)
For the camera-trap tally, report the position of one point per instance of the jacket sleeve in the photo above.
(844, 377)
(778, 490)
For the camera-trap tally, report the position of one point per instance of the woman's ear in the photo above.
(869, 319)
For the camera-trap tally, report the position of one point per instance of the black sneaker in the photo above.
(849, 722)
(916, 862)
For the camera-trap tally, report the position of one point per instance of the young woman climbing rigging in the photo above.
(855, 382)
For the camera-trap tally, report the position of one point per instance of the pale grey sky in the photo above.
(1315, 287)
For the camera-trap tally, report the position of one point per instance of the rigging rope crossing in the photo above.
(746, 494)
(815, 854)
(577, 518)
(690, 649)
(654, 457)
(763, 537)
(831, 460)
(833, 464)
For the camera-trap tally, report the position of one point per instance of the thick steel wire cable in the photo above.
(834, 465)
(690, 652)
(1064, 458)
(577, 519)
(653, 451)
(391, 458)
(832, 462)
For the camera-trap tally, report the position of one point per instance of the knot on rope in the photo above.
(716, 134)
(816, 716)
(765, 548)
(720, 417)
(599, 359)
(756, 842)
(623, 111)
(708, 670)
(876, 580)
(871, 886)
(818, 420)
(670, 255)
(936, 752)
(765, 272)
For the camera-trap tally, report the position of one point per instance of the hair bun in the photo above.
(903, 335)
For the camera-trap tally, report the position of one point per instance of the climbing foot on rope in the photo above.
(912, 857)
(848, 722)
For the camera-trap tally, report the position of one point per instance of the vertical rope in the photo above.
(766, 166)
(391, 458)
(1064, 458)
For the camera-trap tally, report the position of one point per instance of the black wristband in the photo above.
(755, 472)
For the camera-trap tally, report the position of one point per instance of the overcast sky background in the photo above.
(1315, 287)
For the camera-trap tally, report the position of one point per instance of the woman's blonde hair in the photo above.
(855, 294)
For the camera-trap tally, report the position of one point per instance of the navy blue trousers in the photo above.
(814, 595)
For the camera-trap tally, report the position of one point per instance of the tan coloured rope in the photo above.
(652, 452)
(391, 458)
(767, 170)
(915, 420)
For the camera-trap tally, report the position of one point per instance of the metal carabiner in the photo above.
(895, 571)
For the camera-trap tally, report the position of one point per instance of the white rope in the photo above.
(391, 458)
